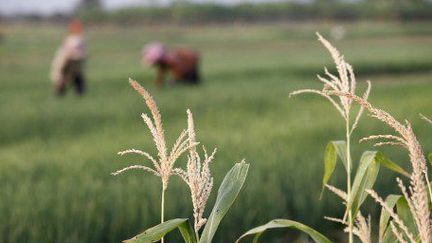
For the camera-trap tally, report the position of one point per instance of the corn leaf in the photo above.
(366, 175)
(340, 147)
(227, 193)
(402, 210)
(384, 230)
(386, 162)
(155, 233)
(333, 150)
(365, 178)
(285, 223)
(405, 214)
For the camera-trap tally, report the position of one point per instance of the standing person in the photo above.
(68, 63)
(183, 64)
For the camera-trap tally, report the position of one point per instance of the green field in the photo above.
(56, 155)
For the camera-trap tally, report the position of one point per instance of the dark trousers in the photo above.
(191, 77)
(72, 73)
(77, 82)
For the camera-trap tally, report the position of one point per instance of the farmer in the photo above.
(68, 64)
(181, 63)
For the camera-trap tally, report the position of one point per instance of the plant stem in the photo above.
(197, 235)
(428, 185)
(162, 208)
(349, 163)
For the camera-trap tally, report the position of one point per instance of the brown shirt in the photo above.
(180, 63)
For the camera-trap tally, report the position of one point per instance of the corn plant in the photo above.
(197, 176)
(411, 221)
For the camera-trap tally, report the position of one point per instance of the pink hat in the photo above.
(153, 52)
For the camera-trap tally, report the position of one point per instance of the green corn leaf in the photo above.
(366, 175)
(386, 162)
(404, 212)
(187, 233)
(430, 157)
(227, 193)
(340, 147)
(285, 223)
(155, 233)
(333, 150)
(364, 179)
(388, 236)
(384, 229)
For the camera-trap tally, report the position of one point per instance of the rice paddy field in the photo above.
(56, 154)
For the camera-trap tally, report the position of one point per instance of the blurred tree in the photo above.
(88, 4)
(89, 10)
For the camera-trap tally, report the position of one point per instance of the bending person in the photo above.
(182, 64)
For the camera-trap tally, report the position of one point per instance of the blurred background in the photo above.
(56, 154)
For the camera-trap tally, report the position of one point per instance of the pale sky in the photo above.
(46, 7)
